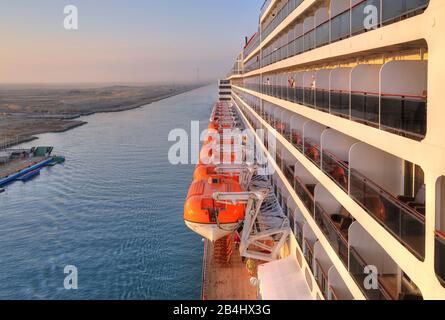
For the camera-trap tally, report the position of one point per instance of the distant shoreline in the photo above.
(68, 123)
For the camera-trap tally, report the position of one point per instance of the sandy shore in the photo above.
(26, 112)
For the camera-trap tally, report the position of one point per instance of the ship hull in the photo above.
(212, 232)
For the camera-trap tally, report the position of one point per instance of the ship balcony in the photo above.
(322, 265)
(264, 7)
(279, 17)
(329, 281)
(309, 241)
(341, 19)
(405, 222)
(394, 195)
(296, 220)
(440, 230)
(337, 289)
(353, 245)
(252, 45)
(391, 97)
(390, 283)
(334, 221)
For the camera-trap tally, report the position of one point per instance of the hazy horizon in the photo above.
(123, 43)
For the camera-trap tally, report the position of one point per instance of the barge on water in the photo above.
(25, 164)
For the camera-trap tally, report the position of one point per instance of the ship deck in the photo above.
(225, 280)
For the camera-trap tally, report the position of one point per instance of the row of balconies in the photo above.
(390, 96)
(264, 7)
(355, 247)
(252, 64)
(282, 12)
(253, 43)
(340, 20)
(356, 168)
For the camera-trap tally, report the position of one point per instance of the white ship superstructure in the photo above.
(352, 91)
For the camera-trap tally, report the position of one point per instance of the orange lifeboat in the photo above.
(213, 125)
(207, 217)
(207, 156)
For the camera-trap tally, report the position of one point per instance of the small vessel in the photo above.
(2, 190)
(56, 160)
(30, 175)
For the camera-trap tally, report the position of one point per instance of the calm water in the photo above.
(113, 210)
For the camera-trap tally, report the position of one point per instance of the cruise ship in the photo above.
(343, 99)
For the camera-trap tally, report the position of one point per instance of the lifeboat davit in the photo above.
(204, 172)
(207, 156)
(205, 216)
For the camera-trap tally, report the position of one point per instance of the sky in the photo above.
(132, 41)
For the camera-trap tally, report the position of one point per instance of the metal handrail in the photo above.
(329, 20)
(324, 277)
(440, 236)
(333, 293)
(337, 160)
(416, 215)
(332, 224)
(305, 189)
(308, 246)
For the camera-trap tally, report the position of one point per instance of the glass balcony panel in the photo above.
(309, 254)
(401, 220)
(357, 269)
(335, 237)
(289, 173)
(287, 132)
(358, 16)
(299, 233)
(292, 94)
(284, 93)
(365, 106)
(340, 102)
(322, 279)
(322, 35)
(440, 257)
(297, 140)
(309, 40)
(340, 26)
(333, 296)
(309, 97)
(322, 99)
(396, 9)
(407, 115)
(304, 194)
(299, 45)
(312, 152)
(299, 95)
(336, 169)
